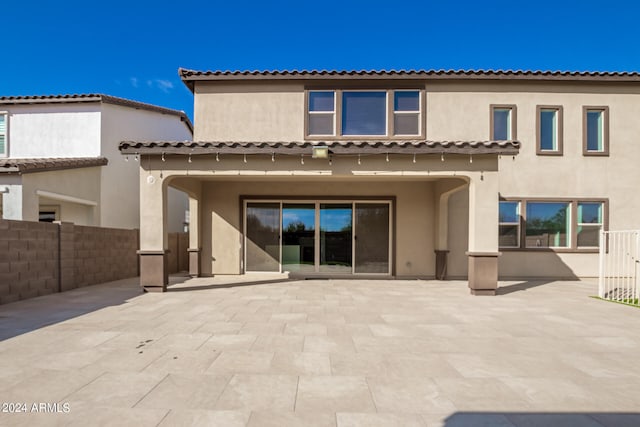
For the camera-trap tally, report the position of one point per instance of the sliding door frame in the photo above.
(317, 200)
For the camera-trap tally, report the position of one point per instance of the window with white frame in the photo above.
(3, 134)
(364, 113)
(589, 224)
(503, 122)
(406, 112)
(509, 226)
(322, 111)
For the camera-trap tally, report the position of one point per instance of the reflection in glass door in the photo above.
(263, 237)
(371, 238)
(336, 237)
(298, 237)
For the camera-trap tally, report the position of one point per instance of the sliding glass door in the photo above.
(341, 237)
(336, 237)
(298, 236)
(262, 242)
(372, 238)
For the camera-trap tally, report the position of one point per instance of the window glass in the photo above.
(589, 224)
(364, 113)
(509, 212)
(549, 130)
(509, 228)
(594, 130)
(406, 124)
(263, 237)
(3, 133)
(298, 237)
(508, 237)
(548, 224)
(406, 101)
(321, 124)
(321, 113)
(47, 216)
(406, 118)
(501, 124)
(589, 213)
(321, 101)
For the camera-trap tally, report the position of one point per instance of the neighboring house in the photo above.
(59, 158)
(414, 174)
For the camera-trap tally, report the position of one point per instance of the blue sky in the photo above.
(133, 48)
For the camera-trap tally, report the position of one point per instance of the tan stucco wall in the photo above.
(119, 201)
(241, 112)
(79, 183)
(529, 175)
(461, 111)
(414, 219)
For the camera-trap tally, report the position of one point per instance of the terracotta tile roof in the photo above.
(190, 75)
(49, 164)
(304, 147)
(94, 97)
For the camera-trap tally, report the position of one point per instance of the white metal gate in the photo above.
(619, 263)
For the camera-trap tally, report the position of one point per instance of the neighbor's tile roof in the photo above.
(190, 75)
(304, 147)
(49, 164)
(93, 97)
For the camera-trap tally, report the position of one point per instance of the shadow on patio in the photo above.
(232, 284)
(24, 316)
(522, 286)
(547, 419)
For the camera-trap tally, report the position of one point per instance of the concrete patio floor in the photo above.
(262, 351)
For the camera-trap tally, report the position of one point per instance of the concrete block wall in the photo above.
(104, 254)
(29, 255)
(41, 258)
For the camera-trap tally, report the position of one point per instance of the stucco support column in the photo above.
(483, 233)
(194, 234)
(193, 188)
(444, 189)
(154, 274)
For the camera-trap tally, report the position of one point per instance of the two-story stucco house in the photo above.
(59, 158)
(410, 174)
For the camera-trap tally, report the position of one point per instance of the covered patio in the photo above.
(326, 209)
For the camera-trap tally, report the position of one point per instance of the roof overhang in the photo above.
(334, 147)
(95, 97)
(22, 166)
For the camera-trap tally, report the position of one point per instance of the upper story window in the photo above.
(503, 122)
(549, 130)
(322, 111)
(3, 134)
(595, 131)
(406, 112)
(364, 113)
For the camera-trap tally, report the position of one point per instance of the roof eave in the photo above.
(301, 148)
(190, 77)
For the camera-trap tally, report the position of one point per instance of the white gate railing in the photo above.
(619, 264)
